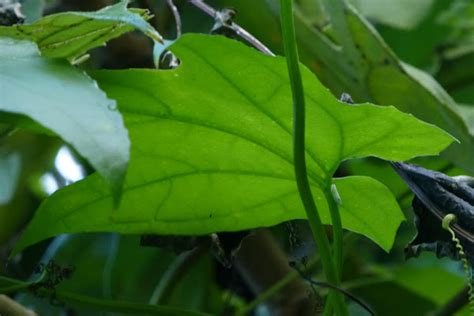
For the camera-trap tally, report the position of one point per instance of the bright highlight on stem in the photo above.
(319, 234)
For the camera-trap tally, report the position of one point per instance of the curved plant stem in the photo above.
(18, 286)
(280, 284)
(174, 274)
(289, 42)
(177, 17)
(337, 245)
(123, 307)
(275, 288)
(107, 274)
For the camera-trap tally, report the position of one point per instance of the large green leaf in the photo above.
(71, 34)
(212, 150)
(372, 74)
(66, 101)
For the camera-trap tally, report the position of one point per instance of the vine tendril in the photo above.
(447, 220)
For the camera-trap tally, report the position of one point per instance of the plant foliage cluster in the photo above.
(214, 152)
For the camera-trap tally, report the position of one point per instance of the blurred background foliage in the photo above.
(436, 36)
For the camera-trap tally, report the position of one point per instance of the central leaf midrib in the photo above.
(329, 172)
(102, 32)
(255, 104)
(187, 120)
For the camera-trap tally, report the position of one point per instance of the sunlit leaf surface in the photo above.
(212, 150)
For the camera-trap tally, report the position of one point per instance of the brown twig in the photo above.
(234, 26)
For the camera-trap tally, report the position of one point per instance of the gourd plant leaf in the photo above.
(387, 80)
(374, 73)
(71, 34)
(69, 103)
(212, 150)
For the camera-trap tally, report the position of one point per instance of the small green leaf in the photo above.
(211, 150)
(67, 102)
(71, 34)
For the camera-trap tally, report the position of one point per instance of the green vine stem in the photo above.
(333, 203)
(447, 220)
(337, 240)
(172, 277)
(319, 233)
(97, 303)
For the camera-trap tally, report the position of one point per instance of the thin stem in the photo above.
(107, 273)
(100, 304)
(336, 231)
(234, 26)
(337, 245)
(174, 274)
(18, 286)
(177, 17)
(275, 288)
(289, 43)
(339, 289)
(288, 278)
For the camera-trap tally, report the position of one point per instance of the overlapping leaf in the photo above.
(211, 150)
(66, 101)
(71, 34)
(371, 72)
